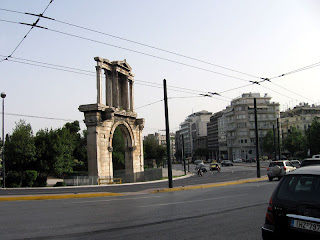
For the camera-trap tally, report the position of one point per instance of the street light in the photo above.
(3, 95)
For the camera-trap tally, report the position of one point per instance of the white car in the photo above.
(237, 160)
(279, 169)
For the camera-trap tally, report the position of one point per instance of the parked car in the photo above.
(250, 160)
(294, 207)
(202, 167)
(214, 166)
(309, 161)
(226, 163)
(237, 160)
(317, 156)
(279, 169)
(295, 163)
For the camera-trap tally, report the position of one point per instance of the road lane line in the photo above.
(200, 200)
(115, 199)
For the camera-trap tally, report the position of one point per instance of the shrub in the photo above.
(41, 181)
(13, 179)
(29, 177)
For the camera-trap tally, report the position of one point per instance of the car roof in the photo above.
(314, 170)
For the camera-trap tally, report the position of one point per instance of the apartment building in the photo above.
(240, 123)
(194, 131)
(299, 117)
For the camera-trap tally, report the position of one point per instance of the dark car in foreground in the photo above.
(294, 207)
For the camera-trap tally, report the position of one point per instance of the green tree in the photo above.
(295, 143)
(118, 145)
(20, 150)
(152, 150)
(268, 143)
(312, 135)
(64, 144)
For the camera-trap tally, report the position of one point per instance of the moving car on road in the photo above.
(202, 167)
(226, 163)
(214, 166)
(294, 207)
(279, 168)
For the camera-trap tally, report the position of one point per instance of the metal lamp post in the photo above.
(3, 95)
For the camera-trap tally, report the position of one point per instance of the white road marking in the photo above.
(200, 200)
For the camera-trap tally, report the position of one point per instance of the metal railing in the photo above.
(110, 181)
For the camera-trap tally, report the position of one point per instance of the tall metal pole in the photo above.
(3, 95)
(183, 157)
(274, 143)
(278, 129)
(257, 137)
(167, 132)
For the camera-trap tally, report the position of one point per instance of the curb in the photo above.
(210, 185)
(60, 196)
(108, 194)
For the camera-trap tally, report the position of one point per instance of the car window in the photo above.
(272, 164)
(309, 162)
(300, 188)
(289, 164)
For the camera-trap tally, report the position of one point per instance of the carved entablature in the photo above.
(140, 123)
(119, 84)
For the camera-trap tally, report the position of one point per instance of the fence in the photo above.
(119, 177)
(81, 180)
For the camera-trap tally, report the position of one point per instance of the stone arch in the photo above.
(102, 119)
(126, 129)
(130, 145)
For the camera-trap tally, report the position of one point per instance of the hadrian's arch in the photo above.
(103, 117)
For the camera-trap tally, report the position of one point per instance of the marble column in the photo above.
(131, 94)
(99, 85)
(108, 88)
(115, 88)
(125, 94)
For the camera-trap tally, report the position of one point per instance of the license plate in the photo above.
(305, 225)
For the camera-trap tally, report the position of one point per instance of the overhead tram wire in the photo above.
(135, 42)
(91, 73)
(293, 92)
(135, 51)
(40, 117)
(251, 82)
(32, 26)
(144, 83)
(298, 70)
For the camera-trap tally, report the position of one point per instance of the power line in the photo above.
(32, 116)
(299, 70)
(135, 51)
(135, 42)
(32, 26)
(172, 88)
(92, 73)
(144, 83)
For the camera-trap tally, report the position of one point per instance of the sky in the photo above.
(197, 46)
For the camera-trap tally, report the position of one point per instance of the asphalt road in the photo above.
(229, 212)
(237, 172)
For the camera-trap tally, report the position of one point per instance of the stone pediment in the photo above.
(123, 64)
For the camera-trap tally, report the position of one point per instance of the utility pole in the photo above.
(167, 132)
(278, 128)
(183, 157)
(3, 96)
(274, 143)
(257, 137)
